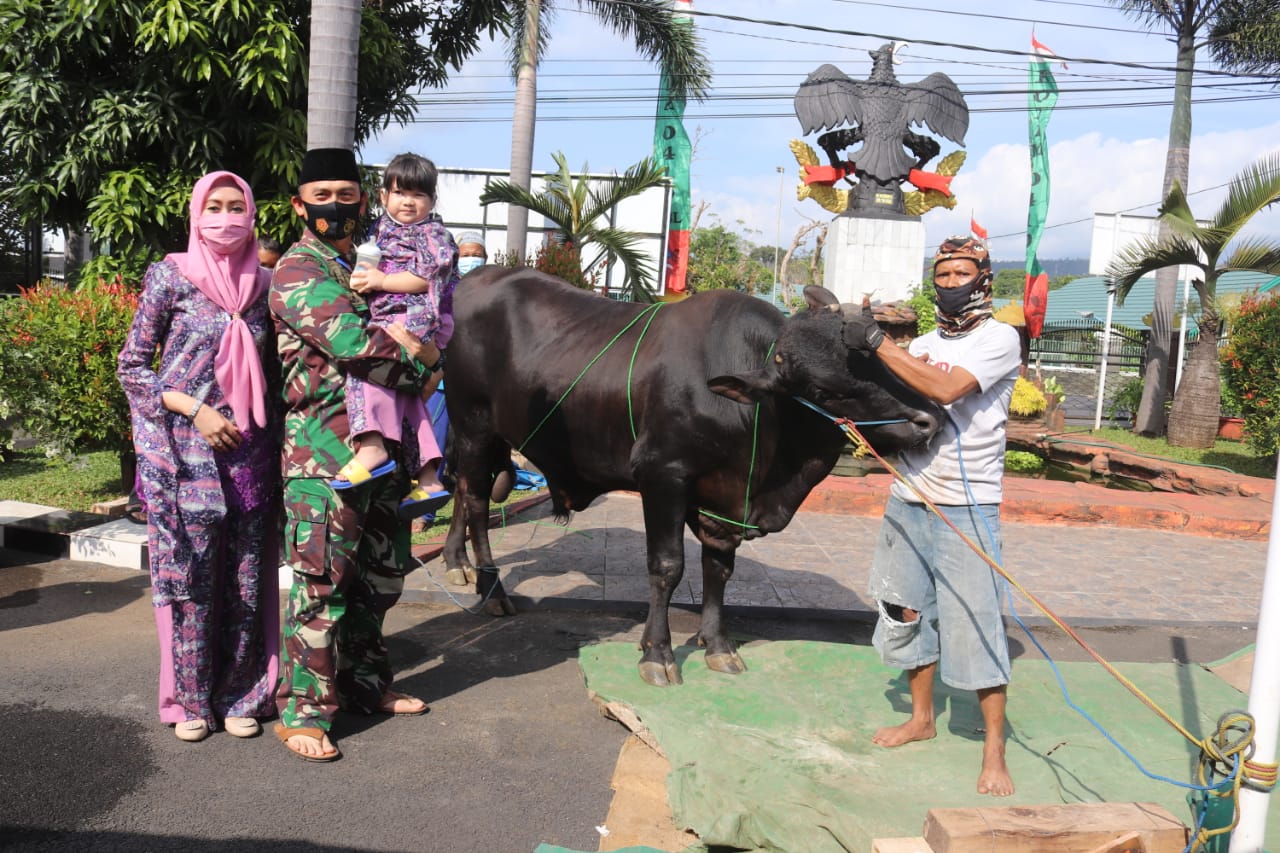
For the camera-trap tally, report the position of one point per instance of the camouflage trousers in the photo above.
(349, 554)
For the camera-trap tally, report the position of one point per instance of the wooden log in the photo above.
(1053, 829)
(900, 845)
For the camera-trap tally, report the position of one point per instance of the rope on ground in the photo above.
(1228, 749)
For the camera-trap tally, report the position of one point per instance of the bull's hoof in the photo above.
(660, 675)
(730, 663)
(499, 607)
(471, 574)
(458, 577)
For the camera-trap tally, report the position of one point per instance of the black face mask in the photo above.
(332, 221)
(953, 300)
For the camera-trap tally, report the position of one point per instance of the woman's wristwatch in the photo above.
(439, 365)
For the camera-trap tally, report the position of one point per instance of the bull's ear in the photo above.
(744, 387)
(819, 297)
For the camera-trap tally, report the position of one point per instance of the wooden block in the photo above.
(900, 845)
(1053, 829)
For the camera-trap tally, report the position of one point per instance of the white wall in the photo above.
(458, 203)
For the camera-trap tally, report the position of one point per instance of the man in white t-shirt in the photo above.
(938, 601)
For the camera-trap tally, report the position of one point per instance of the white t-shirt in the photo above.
(992, 353)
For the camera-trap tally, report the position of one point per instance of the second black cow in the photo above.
(691, 404)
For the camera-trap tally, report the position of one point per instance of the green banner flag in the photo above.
(1041, 97)
(673, 151)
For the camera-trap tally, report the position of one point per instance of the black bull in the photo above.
(685, 380)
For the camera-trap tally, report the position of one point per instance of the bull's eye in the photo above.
(777, 357)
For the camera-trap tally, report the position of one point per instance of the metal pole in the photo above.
(1264, 695)
(1106, 351)
(1182, 330)
(777, 245)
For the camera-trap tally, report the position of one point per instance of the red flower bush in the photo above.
(58, 348)
(1251, 369)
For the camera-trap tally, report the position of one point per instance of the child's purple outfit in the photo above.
(425, 249)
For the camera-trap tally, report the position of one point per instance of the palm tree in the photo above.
(658, 34)
(332, 71)
(1193, 420)
(1234, 38)
(576, 208)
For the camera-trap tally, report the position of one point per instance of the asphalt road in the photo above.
(512, 754)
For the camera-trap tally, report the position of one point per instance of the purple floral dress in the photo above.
(211, 518)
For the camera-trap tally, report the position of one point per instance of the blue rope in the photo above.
(1057, 674)
(834, 419)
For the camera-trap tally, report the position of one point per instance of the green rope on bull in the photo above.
(652, 308)
(751, 469)
(755, 420)
(631, 367)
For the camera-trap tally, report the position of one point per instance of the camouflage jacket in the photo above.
(323, 336)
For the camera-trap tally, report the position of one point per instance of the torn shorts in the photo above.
(921, 564)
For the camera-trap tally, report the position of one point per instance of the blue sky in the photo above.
(1107, 148)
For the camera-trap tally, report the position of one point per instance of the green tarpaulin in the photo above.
(780, 758)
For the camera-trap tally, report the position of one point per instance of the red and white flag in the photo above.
(977, 230)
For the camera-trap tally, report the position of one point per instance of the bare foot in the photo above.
(911, 730)
(401, 704)
(371, 455)
(309, 746)
(994, 778)
(429, 480)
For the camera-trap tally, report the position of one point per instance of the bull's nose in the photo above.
(926, 423)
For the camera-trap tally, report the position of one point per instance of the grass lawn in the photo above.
(1232, 455)
(76, 485)
(435, 533)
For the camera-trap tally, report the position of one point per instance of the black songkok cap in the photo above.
(329, 164)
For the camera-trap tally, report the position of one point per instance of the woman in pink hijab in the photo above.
(202, 379)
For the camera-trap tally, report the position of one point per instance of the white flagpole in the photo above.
(1264, 695)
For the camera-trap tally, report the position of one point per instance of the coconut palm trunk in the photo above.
(523, 120)
(331, 74)
(1150, 419)
(1193, 419)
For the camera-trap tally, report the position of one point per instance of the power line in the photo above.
(934, 43)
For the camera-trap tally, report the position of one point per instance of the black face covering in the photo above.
(954, 300)
(332, 221)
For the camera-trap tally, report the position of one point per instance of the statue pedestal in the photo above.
(878, 255)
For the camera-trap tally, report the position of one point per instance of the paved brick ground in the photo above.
(1088, 575)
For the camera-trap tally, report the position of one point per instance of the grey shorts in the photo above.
(921, 564)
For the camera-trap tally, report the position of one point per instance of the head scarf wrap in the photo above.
(233, 281)
(978, 306)
(464, 237)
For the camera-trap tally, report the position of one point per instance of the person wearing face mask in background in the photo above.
(938, 602)
(206, 430)
(348, 551)
(471, 251)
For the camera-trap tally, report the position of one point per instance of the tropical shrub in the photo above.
(1023, 462)
(922, 301)
(1027, 401)
(1251, 367)
(561, 260)
(1124, 403)
(58, 349)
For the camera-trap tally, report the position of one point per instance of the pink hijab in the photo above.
(233, 280)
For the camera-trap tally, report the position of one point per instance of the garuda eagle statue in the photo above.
(881, 112)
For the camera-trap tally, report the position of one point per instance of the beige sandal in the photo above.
(241, 726)
(191, 730)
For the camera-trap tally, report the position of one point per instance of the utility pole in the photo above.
(777, 241)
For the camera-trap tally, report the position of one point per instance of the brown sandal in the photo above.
(389, 699)
(317, 734)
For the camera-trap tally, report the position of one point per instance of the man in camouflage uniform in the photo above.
(348, 551)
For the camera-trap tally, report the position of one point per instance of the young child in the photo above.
(412, 285)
